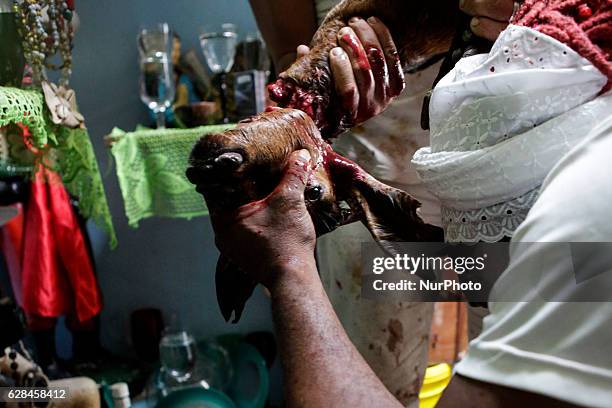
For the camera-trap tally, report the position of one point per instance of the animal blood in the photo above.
(379, 67)
(420, 30)
(358, 51)
(264, 144)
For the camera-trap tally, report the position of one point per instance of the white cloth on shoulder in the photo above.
(499, 123)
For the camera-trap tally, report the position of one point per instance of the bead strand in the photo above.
(41, 44)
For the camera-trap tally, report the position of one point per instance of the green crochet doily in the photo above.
(26, 107)
(69, 150)
(151, 171)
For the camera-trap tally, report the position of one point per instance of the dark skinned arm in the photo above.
(322, 367)
(285, 24)
(273, 240)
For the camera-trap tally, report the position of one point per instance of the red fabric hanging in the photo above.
(57, 274)
(11, 244)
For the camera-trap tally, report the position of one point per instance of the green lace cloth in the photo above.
(68, 152)
(26, 107)
(151, 171)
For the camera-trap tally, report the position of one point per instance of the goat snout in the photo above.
(229, 160)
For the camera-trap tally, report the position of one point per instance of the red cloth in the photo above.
(57, 275)
(12, 243)
(583, 25)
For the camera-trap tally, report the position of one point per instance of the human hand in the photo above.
(268, 237)
(491, 17)
(366, 68)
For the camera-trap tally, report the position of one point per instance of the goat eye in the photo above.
(313, 193)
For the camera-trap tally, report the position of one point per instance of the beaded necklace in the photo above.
(46, 30)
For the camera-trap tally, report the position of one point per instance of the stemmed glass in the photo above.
(177, 354)
(219, 48)
(156, 74)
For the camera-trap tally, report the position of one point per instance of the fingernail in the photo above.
(338, 52)
(475, 22)
(373, 20)
(354, 20)
(345, 31)
(304, 155)
(461, 4)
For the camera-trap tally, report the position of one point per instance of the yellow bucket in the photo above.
(436, 379)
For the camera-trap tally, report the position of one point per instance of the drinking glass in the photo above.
(177, 354)
(156, 74)
(255, 54)
(219, 48)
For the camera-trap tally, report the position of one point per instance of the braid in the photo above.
(583, 25)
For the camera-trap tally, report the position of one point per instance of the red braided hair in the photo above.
(583, 25)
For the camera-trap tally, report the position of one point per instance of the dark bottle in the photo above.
(11, 55)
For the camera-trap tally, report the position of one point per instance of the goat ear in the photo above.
(391, 214)
(234, 288)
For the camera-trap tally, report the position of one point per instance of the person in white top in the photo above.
(563, 346)
(322, 366)
(533, 354)
(519, 146)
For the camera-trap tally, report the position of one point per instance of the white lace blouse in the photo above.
(499, 123)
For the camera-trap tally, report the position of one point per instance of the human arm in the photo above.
(274, 239)
(285, 24)
(321, 365)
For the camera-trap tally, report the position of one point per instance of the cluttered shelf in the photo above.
(33, 137)
(51, 186)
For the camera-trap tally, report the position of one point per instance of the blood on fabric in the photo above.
(358, 51)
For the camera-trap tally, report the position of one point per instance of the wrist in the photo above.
(295, 270)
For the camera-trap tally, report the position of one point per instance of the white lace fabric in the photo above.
(499, 123)
(488, 224)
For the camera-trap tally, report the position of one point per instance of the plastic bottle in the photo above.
(121, 395)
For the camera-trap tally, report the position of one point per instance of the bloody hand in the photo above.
(366, 68)
(269, 236)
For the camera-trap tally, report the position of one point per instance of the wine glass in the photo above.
(156, 74)
(177, 354)
(255, 53)
(219, 48)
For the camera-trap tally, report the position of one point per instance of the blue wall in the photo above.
(164, 263)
